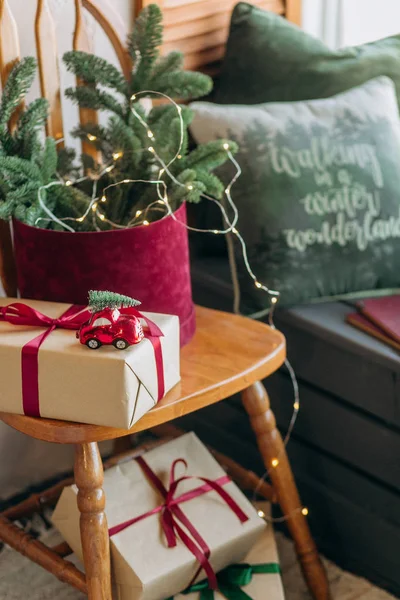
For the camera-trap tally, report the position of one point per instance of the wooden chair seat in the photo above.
(210, 372)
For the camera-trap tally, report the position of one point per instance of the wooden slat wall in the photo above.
(199, 28)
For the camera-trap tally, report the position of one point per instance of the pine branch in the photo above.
(208, 157)
(171, 62)
(88, 97)
(213, 186)
(94, 70)
(122, 138)
(49, 160)
(33, 118)
(191, 189)
(185, 85)
(18, 83)
(144, 44)
(12, 165)
(65, 163)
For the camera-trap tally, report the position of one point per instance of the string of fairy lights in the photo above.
(162, 203)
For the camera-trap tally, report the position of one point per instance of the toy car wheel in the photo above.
(93, 344)
(120, 344)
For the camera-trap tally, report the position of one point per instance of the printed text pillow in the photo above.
(319, 196)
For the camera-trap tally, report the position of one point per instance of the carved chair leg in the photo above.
(270, 444)
(94, 531)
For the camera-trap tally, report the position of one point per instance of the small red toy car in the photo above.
(110, 326)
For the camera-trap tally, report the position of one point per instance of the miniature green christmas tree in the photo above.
(103, 87)
(99, 300)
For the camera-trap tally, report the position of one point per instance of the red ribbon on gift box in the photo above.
(172, 514)
(18, 313)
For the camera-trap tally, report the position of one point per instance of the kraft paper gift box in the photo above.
(101, 387)
(262, 586)
(144, 567)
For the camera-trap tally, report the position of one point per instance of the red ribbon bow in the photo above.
(22, 314)
(172, 516)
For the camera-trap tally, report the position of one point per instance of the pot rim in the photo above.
(152, 225)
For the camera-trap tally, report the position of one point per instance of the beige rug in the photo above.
(22, 580)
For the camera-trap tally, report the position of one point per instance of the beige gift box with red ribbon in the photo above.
(263, 586)
(106, 386)
(144, 567)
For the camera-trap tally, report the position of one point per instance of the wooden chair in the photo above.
(214, 365)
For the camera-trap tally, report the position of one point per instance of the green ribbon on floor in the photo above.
(231, 580)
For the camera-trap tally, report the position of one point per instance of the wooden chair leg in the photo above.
(93, 523)
(270, 444)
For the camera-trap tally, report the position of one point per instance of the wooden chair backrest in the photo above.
(48, 64)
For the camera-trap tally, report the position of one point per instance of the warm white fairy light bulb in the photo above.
(91, 137)
(145, 222)
(189, 187)
(117, 155)
(108, 169)
(274, 300)
(226, 146)
(258, 284)
(151, 149)
(138, 213)
(296, 406)
(274, 462)
(101, 216)
(103, 199)
(81, 219)
(68, 182)
(261, 513)
(304, 511)
(94, 207)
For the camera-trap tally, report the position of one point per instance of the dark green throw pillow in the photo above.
(319, 194)
(268, 59)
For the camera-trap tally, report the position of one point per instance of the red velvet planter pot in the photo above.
(148, 262)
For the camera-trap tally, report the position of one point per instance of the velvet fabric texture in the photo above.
(269, 59)
(150, 263)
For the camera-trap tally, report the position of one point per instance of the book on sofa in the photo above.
(379, 317)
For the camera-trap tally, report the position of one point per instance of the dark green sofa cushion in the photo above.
(269, 59)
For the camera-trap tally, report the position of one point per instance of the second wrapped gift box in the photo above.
(144, 567)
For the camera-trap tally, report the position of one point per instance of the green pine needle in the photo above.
(99, 300)
(186, 85)
(94, 70)
(18, 83)
(89, 97)
(144, 44)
